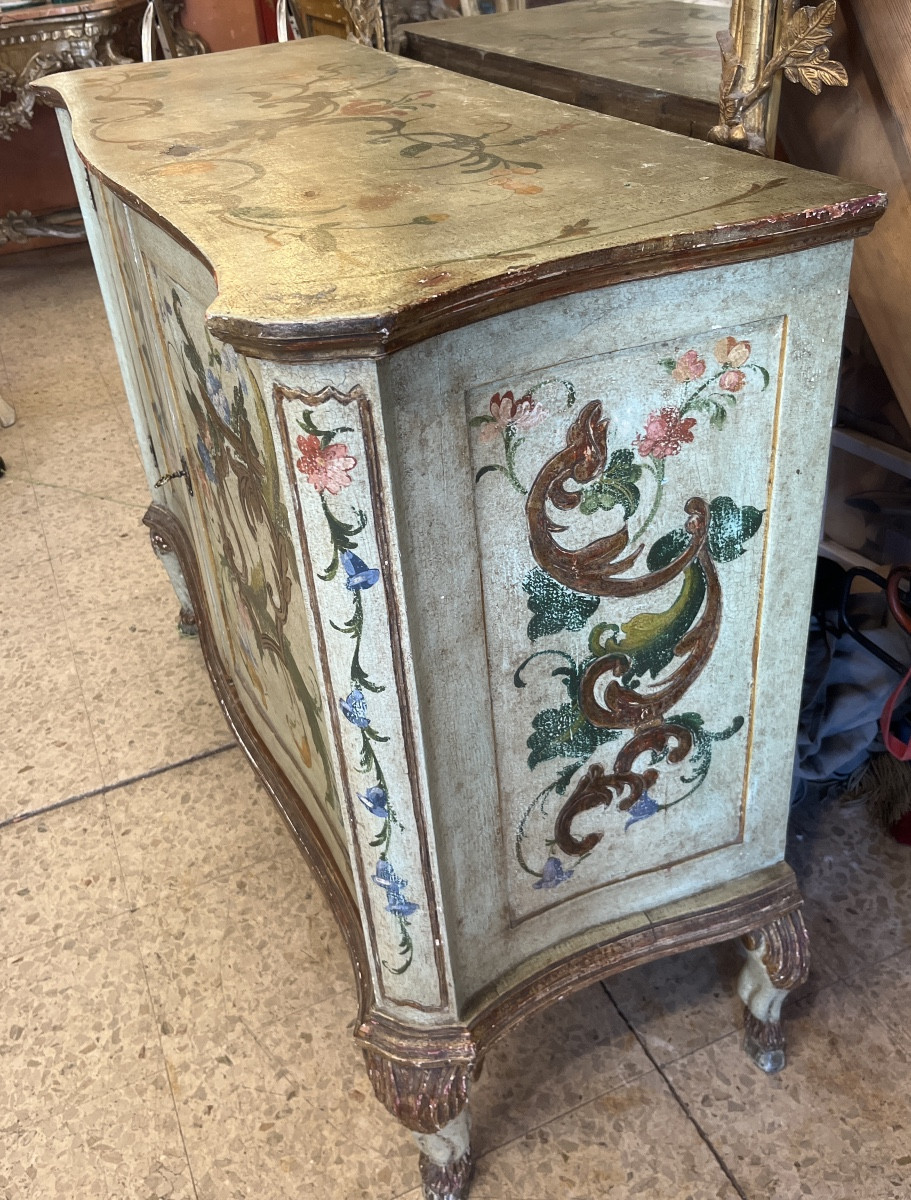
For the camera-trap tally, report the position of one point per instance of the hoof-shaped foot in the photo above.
(448, 1182)
(764, 1043)
(778, 960)
(186, 623)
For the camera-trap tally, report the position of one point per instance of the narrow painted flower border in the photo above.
(324, 463)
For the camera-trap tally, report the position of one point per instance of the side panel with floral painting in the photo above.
(243, 536)
(620, 503)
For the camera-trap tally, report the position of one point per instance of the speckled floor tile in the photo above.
(121, 1145)
(146, 688)
(245, 949)
(854, 878)
(47, 749)
(22, 541)
(100, 458)
(635, 1141)
(72, 381)
(836, 1123)
(682, 1003)
(176, 830)
(316, 1048)
(79, 526)
(75, 1021)
(885, 988)
(60, 873)
(249, 1132)
(123, 608)
(574, 1051)
(141, 721)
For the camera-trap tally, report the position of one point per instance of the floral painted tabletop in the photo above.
(333, 187)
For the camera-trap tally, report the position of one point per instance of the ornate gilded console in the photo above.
(41, 39)
(490, 470)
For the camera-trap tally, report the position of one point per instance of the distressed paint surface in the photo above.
(344, 185)
(329, 436)
(244, 537)
(677, 53)
(445, 624)
(683, 420)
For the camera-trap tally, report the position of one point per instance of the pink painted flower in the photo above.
(665, 433)
(326, 468)
(507, 412)
(732, 381)
(731, 353)
(689, 366)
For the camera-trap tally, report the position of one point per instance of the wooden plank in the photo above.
(864, 131)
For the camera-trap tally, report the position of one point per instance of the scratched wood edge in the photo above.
(659, 108)
(376, 335)
(711, 917)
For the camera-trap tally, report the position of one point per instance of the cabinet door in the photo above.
(217, 425)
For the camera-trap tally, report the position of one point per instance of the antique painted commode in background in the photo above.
(487, 439)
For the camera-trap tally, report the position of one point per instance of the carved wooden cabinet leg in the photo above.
(778, 960)
(433, 1103)
(186, 621)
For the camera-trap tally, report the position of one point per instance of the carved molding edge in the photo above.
(366, 17)
(753, 57)
(188, 43)
(784, 947)
(423, 1099)
(20, 226)
(778, 960)
(420, 1075)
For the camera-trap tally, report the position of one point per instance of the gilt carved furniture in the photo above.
(487, 440)
(39, 39)
(654, 61)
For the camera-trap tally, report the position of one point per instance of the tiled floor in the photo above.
(175, 1000)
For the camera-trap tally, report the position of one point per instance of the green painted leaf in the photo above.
(617, 486)
(564, 733)
(730, 526)
(667, 548)
(555, 607)
(650, 639)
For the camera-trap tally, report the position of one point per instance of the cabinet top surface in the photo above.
(343, 196)
(676, 52)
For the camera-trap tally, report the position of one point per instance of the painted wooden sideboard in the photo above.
(487, 439)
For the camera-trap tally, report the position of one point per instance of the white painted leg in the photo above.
(778, 960)
(446, 1162)
(186, 621)
(432, 1101)
(7, 413)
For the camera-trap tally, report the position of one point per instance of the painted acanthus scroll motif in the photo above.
(632, 685)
